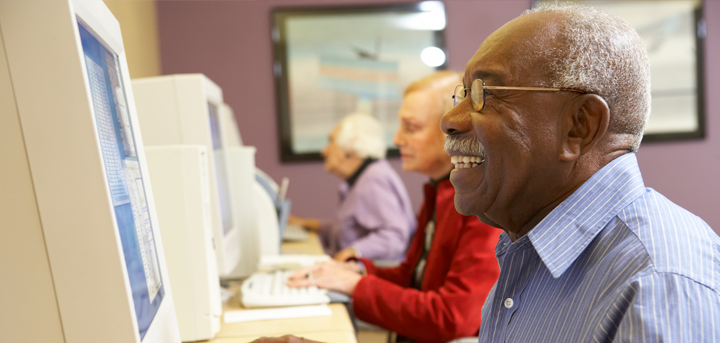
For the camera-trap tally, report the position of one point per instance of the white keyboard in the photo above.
(269, 263)
(295, 233)
(270, 290)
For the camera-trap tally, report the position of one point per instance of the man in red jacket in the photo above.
(437, 293)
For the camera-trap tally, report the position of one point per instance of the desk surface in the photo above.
(328, 336)
(312, 246)
(335, 328)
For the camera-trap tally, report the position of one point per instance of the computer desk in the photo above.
(336, 328)
(312, 246)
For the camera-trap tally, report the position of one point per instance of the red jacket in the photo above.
(461, 269)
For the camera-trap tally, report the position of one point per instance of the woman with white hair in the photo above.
(375, 219)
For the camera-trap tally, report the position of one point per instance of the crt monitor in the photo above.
(282, 205)
(241, 172)
(124, 180)
(85, 170)
(221, 169)
(185, 109)
(231, 133)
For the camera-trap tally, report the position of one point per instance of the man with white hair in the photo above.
(375, 219)
(554, 105)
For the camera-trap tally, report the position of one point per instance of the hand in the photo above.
(354, 267)
(283, 339)
(345, 254)
(332, 275)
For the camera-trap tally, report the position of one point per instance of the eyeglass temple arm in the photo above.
(535, 89)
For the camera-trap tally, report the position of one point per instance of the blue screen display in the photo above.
(125, 183)
(220, 170)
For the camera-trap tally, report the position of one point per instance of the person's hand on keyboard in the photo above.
(337, 276)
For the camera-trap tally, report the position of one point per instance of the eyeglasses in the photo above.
(478, 87)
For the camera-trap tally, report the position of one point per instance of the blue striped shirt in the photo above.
(615, 261)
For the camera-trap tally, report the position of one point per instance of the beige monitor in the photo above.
(231, 132)
(185, 109)
(80, 251)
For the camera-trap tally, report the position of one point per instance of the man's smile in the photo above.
(464, 152)
(462, 162)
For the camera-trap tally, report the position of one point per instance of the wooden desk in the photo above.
(312, 246)
(330, 336)
(336, 328)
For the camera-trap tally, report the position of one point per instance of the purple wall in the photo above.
(229, 41)
(688, 173)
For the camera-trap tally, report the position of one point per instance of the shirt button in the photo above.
(509, 303)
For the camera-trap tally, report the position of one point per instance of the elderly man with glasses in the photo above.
(543, 136)
(552, 109)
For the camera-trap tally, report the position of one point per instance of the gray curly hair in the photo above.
(363, 134)
(601, 54)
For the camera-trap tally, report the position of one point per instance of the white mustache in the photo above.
(465, 146)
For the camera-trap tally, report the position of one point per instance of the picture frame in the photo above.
(674, 34)
(326, 67)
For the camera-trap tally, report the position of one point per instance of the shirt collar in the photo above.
(436, 182)
(568, 230)
(353, 178)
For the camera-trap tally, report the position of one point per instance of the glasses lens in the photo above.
(477, 94)
(458, 95)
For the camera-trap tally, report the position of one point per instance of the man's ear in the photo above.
(585, 123)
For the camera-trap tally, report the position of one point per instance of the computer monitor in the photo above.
(184, 109)
(259, 203)
(221, 169)
(231, 133)
(241, 172)
(277, 195)
(85, 262)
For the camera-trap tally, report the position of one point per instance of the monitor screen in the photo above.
(220, 170)
(125, 182)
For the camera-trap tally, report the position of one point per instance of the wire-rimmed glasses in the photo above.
(478, 87)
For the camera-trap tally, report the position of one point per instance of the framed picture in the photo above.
(333, 61)
(674, 33)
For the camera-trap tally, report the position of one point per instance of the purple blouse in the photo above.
(375, 216)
